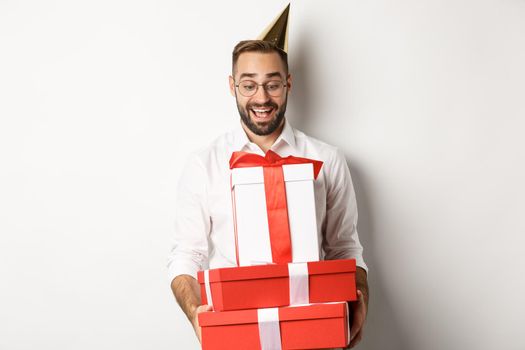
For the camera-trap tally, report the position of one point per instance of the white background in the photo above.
(101, 102)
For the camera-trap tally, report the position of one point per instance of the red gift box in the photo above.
(263, 286)
(316, 326)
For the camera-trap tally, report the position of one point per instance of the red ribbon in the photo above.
(275, 190)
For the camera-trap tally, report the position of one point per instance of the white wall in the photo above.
(101, 101)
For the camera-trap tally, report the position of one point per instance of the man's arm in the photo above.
(189, 252)
(187, 292)
(341, 240)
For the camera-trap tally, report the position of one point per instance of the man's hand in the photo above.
(195, 319)
(359, 310)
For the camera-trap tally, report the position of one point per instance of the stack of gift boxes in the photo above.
(280, 296)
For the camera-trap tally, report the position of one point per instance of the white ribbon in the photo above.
(298, 277)
(269, 330)
(207, 287)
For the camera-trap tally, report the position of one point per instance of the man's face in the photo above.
(261, 113)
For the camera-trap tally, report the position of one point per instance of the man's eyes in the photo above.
(273, 86)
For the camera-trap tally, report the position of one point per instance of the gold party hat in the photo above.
(277, 31)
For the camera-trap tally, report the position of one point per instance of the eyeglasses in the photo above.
(248, 88)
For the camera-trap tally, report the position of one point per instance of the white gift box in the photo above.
(251, 218)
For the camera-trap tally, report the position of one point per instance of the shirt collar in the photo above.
(240, 139)
(287, 135)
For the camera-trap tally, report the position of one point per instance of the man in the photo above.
(260, 83)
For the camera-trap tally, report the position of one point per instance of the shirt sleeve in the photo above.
(341, 240)
(189, 250)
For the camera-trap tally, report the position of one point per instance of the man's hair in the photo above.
(257, 46)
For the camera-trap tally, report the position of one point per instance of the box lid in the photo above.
(255, 175)
(288, 313)
(276, 270)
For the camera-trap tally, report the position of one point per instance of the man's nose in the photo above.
(261, 95)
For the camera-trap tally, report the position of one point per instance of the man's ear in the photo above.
(289, 82)
(232, 85)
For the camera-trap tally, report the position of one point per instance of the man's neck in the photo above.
(265, 142)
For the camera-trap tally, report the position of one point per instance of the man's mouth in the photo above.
(262, 112)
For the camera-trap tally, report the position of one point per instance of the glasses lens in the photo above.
(274, 88)
(247, 88)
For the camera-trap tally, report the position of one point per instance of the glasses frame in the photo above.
(285, 85)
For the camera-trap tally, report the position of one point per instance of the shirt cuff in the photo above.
(177, 268)
(359, 261)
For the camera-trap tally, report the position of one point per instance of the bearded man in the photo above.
(260, 83)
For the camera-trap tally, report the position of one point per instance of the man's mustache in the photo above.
(267, 104)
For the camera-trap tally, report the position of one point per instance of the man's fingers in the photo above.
(358, 316)
(357, 324)
(356, 340)
(198, 310)
(360, 296)
(358, 319)
(205, 308)
(197, 327)
(201, 308)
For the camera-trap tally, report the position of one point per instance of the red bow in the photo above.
(275, 190)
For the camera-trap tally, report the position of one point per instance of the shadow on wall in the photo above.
(383, 330)
(300, 103)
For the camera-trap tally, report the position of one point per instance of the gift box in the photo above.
(316, 326)
(263, 286)
(274, 208)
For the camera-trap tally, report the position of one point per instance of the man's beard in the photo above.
(266, 128)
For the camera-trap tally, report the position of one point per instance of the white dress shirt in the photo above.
(204, 233)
